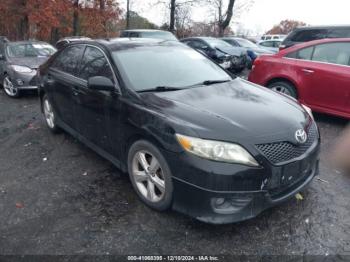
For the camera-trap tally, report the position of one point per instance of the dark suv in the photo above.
(310, 33)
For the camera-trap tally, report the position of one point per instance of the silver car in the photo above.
(19, 62)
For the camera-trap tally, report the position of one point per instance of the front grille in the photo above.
(280, 152)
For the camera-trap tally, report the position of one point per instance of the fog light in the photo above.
(230, 205)
(20, 82)
(219, 201)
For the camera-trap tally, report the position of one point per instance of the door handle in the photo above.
(308, 71)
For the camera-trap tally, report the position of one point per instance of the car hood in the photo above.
(232, 111)
(232, 51)
(32, 62)
(259, 50)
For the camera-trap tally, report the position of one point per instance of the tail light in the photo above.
(257, 62)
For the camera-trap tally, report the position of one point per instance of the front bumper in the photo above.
(25, 81)
(221, 193)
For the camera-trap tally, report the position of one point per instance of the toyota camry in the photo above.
(191, 136)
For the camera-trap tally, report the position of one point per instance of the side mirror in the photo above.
(101, 83)
(2, 57)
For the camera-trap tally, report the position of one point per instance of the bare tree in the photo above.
(226, 10)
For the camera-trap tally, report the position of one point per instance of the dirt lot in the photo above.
(59, 197)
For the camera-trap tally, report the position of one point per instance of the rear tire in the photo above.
(150, 175)
(49, 114)
(284, 87)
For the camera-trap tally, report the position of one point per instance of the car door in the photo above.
(94, 107)
(326, 76)
(61, 80)
(2, 61)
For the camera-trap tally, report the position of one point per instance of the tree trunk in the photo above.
(128, 14)
(172, 15)
(24, 23)
(226, 22)
(76, 17)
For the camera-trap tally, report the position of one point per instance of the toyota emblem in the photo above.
(301, 136)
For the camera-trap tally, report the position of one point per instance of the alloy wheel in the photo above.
(281, 89)
(148, 176)
(9, 88)
(49, 115)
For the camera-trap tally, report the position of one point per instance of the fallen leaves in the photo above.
(19, 205)
(299, 197)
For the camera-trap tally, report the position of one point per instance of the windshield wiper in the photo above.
(212, 82)
(171, 88)
(160, 89)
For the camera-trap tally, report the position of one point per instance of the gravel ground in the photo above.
(59, 197)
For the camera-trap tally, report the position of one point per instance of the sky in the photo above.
(264, 14)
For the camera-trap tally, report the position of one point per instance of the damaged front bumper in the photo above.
(220, 193)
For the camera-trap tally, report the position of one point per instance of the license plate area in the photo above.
(295, 171)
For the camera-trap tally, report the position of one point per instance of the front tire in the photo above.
(49, 114)
(284, 87)
(150, 175)
(9, 87)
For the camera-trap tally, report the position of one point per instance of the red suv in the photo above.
(317, 73)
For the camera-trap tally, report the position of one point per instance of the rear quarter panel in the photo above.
(272, 68)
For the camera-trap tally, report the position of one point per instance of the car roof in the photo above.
(145, 30)
(28, 42)
(115, 44)
(322, 27)
(200, 37)
(311, 43)
(270, 40)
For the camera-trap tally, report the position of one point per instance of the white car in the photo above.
(273, 37)
(271, 45)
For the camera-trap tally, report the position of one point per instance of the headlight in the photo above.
(216, 150)
(309, 111)
(21, 69)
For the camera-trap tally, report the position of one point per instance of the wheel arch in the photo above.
(284, 79)
(132, 139)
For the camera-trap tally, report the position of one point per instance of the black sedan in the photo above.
(228, 57)
(252, 49)
(191, 137)
(19, 62)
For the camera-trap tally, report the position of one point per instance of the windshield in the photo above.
(30, 50)
(159, 35)
(216, 43)
(245, 43)
(148, 67)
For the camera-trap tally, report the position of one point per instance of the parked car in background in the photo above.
(271, 45)
(3, 39)
(19, 62)
(273, 37)
(191, 137)
(62, 42)
(148, 33)
(310, 33)
(252, 49)
(317, 73)
(228, 57)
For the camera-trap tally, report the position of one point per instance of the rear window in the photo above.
(303, 54)
(309, 35)
(339, 33)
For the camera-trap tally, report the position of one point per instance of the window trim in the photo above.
(313, 61)
(116, 82)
